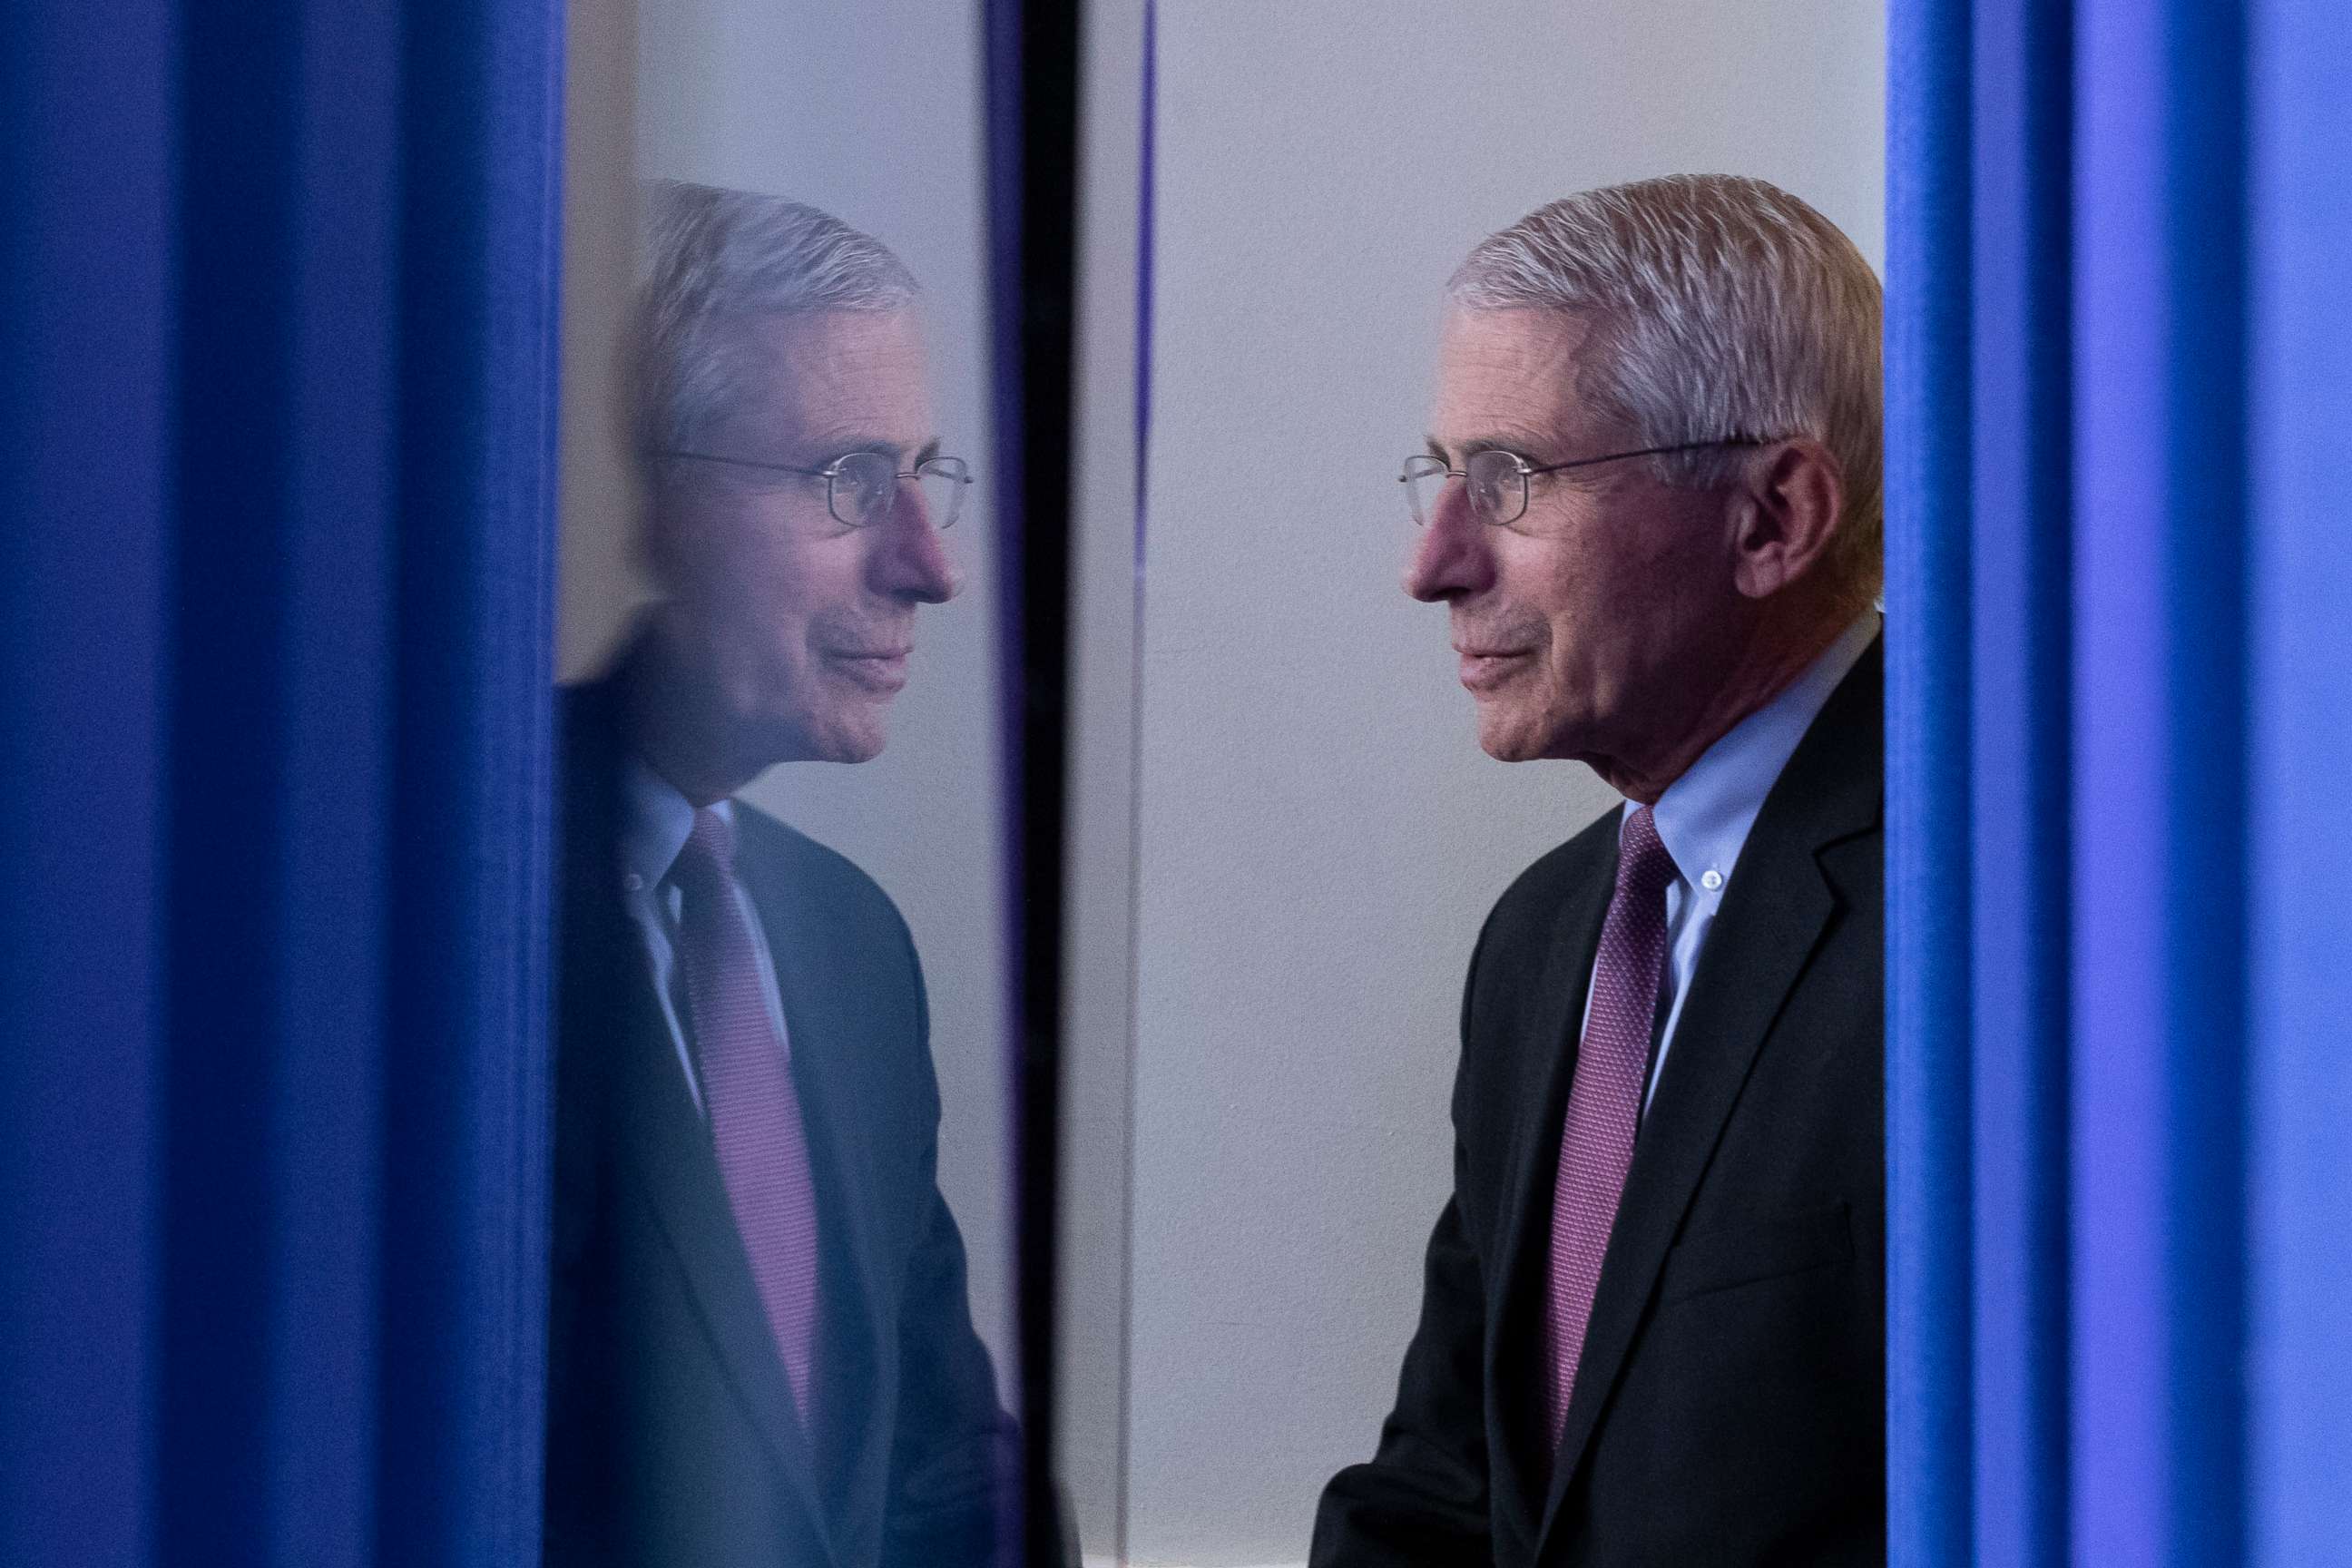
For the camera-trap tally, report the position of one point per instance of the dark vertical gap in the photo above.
(2049, 101)
(2206, 888)
(1033, 120)
(227, 722)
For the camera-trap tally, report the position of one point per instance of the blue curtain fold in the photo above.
(2120, 1026)
(2299, 681)
(1927, 805)
(277, 293)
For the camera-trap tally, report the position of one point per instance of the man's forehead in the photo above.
(1509, 378)
(845, 380)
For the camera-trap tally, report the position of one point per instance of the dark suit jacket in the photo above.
(672, 1437)
(1729, 1406)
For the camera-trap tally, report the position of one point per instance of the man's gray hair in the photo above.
(1726, 306)
(718, 261)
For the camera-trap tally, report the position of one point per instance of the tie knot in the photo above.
(1643, 867)
(709, 849)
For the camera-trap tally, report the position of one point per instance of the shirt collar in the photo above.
(655, 821)
(1704, 817)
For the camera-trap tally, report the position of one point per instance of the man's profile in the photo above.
(1652, 1319)
(760, 1347)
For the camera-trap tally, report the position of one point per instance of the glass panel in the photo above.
(785, 1314)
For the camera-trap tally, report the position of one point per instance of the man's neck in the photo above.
(1763, 670)
(674, 728)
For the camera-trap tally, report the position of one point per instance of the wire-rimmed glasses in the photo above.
(1497, 478)
(861, 487)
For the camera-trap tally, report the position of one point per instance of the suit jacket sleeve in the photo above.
(955, 1453)
(1422, 1499)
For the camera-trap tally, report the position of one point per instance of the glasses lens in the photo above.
(1498, 490)
(943, 482)
(863, 484)
(1425, 483)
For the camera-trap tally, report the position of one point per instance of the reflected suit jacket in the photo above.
(1729, 1405)
(672, 1437)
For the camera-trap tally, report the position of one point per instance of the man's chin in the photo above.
(1508, 737)
(841, 737)
(844, 745)
(855, 737)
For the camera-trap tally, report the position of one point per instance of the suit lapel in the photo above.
(1515, 1337)
(1779, 905)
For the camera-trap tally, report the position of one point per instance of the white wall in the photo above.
(1319, 837)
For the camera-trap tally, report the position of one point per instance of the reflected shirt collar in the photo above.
(1704, 817)
(655, 821)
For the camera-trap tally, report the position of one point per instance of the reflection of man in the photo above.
(762, 1353)
(1651, 1326)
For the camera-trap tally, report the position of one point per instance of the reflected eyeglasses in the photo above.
(1497, 479)
(861, 489)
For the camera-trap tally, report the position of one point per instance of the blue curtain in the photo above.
(2119, 585)
(278, 294)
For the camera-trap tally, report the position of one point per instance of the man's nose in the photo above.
(912, 560)
(1453, 554)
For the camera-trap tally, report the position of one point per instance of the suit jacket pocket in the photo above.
(1723, 1256)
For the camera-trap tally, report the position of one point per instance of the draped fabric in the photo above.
(2120, 695)
(276, 397)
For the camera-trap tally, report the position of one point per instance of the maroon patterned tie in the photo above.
(746, 1088)
(1604, 1101)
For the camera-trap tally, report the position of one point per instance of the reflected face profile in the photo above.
(1577, 622)
(805, 621)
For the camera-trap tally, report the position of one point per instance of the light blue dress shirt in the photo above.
(655, 822)
(1704, 817)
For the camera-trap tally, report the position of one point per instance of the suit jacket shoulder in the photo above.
(1529, 947)
(822, 874)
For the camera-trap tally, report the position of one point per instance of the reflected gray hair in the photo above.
(1726, 306)
(716, 262)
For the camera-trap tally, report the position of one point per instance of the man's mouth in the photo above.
(880, 669)
(1484, 668)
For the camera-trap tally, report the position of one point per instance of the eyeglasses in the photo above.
(861, 487)
(1497, 479)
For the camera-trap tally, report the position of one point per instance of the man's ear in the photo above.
(673, 543)
(1788, 516)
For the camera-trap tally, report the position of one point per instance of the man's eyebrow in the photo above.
(930, 450)
(1493, 444)
(843, 445)
(1472, 447)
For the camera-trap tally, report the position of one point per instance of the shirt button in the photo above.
(635, 884)
(1712, 880)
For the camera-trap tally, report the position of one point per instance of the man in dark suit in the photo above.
(1652, 1323)
(761, 1350)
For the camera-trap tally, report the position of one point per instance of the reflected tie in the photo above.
(747, 1087)
(1604, 1101)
